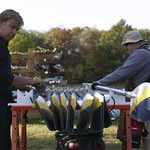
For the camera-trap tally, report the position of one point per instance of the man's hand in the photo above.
(93, 85)
(39, 84)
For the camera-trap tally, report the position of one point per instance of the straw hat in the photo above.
(132, 37)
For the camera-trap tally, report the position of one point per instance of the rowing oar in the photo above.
(140, 101)
(117, 91)
(97, 117)
(140, 107)
(63, 110)
(85, 113)
(45, 112)
(71, 112)
(55, 105)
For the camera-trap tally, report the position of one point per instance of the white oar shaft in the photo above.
(116, 91)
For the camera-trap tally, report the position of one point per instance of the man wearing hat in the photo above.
(134, 71)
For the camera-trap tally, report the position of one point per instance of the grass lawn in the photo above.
(40, 138)
(110, 138)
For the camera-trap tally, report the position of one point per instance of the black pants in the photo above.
(5, 123)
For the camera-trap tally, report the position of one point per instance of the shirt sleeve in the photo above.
(6, 78)
(131, 66)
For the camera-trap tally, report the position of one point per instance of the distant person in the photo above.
(134, 71)
(10, 23)
(52, 69)
(37, 67)
(43, 67)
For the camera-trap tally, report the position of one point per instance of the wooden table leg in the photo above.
(23, 131)
(15, 131)
(128, 130)
(127, 137)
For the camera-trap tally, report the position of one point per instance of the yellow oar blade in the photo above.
(71, 112)
(56, 110)
(85, 113)
(45, 112)
(63, 110)
(97, 119)
(140, 106)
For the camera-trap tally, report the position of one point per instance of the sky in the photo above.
(42, 15)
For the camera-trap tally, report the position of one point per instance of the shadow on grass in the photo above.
(113, 146)
(41, 144)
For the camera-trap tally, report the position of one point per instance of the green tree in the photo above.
(146, 35)
(58, 38)
(27, 39)
(89, 39)
(111, 53)
(20, 42)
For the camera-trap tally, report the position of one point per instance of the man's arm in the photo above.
(19, 81)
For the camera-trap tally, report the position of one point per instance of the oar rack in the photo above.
(58, 105)
(93, 106)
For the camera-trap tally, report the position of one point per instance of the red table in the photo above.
(127, 128)
(17, 144)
